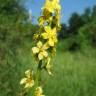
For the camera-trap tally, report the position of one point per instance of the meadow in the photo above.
(74, 73)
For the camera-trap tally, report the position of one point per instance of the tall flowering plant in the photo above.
(45, 45)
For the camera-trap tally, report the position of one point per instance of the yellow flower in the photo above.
(48, 66)
(52, 5)
(56, 5)
(39, 91)
(40, 50)
(28, 81)
(48, 6)
(51, 35)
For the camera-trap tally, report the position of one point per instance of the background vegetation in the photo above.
(75, 62)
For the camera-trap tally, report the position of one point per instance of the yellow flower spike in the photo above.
(48, 66)
(46, 38)
(39, 91)
(28, 80)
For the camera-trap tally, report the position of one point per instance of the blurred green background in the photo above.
(75, 61)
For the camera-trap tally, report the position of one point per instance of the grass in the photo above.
(74, 73)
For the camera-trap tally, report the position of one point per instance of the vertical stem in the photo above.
(38, 78)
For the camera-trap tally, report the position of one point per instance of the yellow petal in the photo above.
(57, 1)
(39, 91)
(55, 39)
(40, 56)
(54, 30)
(51, 42)
(39, 44)
(23, 81)
(45, 54)
(45, 35)
(45, 46)
(29, 73)
(48, 6)
(29, 84)
(47, 29)
(35, 50)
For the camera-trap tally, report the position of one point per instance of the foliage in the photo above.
(81, 29)
(14, 28)
(87, 35)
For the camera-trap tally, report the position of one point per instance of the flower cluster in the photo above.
(49, 23)
(45, 43)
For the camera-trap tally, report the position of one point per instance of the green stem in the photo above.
(38, 78)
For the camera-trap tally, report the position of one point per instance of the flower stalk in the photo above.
(45, 44)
